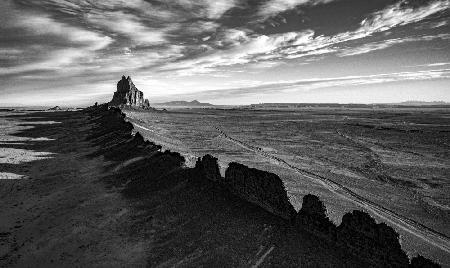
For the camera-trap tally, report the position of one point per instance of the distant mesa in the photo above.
(56, 108)
(423, 103)
(194, 103)
(128, 95)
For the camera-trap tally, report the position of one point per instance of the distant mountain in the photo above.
(194, 103)
(56, 108)
(422, 103)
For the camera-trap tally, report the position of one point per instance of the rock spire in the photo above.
(128, 95)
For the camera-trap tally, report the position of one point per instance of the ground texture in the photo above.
(78, 190)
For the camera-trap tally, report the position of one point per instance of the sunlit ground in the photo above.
(17, 156)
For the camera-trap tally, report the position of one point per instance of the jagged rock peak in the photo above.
(127, 94)
(208, 168)
(259, 187)
(312, 205)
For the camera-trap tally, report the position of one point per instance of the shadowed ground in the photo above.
(101, 199)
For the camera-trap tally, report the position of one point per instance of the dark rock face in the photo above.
(360, 232)
(208, 168)
(260, 187)
(313, 217)
(313, 207)
(128, 95)
(421, 262)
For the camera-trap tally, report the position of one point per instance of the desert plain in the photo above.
(59, 207)
(393, 163)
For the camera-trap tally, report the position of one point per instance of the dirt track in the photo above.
(432, 237)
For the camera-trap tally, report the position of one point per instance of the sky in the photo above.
(73, 52)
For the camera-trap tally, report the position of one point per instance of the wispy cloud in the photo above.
(215, 9)
(304, 85)
(44, 25)
(70, 43)
(401, 14)
(274, 7)
(127, 25)
(249, 47)
(369, 47)
(381, 21)
(436, 64)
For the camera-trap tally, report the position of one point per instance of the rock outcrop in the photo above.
(259, 187)
(361, 233)
(313, 217)
(128, 95)
(421, 262)
(207, 167)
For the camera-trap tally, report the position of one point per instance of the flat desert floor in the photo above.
(394, 164)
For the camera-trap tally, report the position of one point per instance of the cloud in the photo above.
(246, 47)
(128, 25)
(195, 28)
(217, 8)
(436, 64)
(141, 59)
(251, 49)
(232, 37)
(63, 45)
(44, 25)
(401, 14)
(274, 7)
(381, 21)
(204, 8)
(141, 7)
(369, 47)
(304, 85)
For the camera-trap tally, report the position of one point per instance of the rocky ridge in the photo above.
(375, 245)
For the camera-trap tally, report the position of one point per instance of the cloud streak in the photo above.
(248, 47)
(369, 47)
(305, 85)
(127, 25)
(274, 7)
(71, 44)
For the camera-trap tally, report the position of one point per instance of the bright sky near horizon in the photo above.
(73, 52)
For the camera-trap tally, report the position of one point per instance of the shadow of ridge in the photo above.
(69, 121)
(62, 138)
(160, 174)
(36, 210)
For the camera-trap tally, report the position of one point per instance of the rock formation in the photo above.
(208, 168)
(374, 241)
(128, 95)
(421, 262)
(259, 187)
(313, 217)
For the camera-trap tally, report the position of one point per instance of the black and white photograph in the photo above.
(225, 133)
